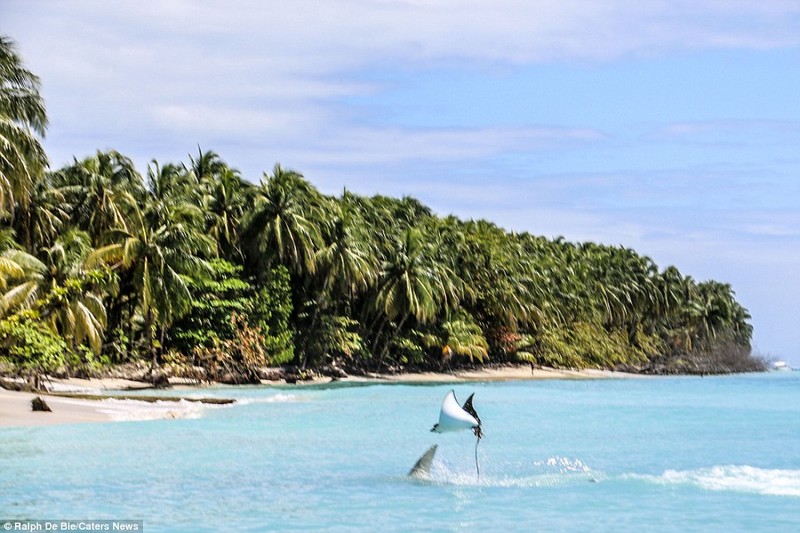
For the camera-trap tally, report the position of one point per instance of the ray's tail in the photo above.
(477, 467)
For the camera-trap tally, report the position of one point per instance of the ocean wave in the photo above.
(734, 478)
(134, 410)
(277, 398)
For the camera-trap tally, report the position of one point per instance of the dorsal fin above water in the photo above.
(422, 468)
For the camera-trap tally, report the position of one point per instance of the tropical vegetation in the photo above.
(193, 268)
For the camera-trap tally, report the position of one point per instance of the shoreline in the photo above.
(506, 373)
(15, 407)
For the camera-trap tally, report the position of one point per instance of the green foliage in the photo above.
(29, 346)
(224, 294)
(409, 348)
(525, 357)
(587, 345)
(272, 310)
(213, 302)
(335, 337)
(464, 338)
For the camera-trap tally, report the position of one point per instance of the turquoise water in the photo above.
(662, 454)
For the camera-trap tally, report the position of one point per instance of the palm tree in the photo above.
(96, 188)
(56, 284)
(670, 286)
(413, 285)
(502, 276)
(208, 165)
(172, 183)
(77, 313)
(22, 118)
(162, 246)
(283, 226)
(718, 313)
(346, 267)
(740, 324)
(41, 221)
(21, 276)
(73, 306)
(346, 263)
(408, 285)
(225, 201)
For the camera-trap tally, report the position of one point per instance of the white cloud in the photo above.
(294, 41)
(772, 230)
(752, 128)
(228, 121)
(275, 74)
(359, 145)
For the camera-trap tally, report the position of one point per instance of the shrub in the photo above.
(30, 347)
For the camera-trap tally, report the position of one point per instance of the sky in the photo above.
(668, 126)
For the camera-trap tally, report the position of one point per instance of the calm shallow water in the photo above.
(662, 454)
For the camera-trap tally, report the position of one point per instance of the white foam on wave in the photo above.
(734, 478)
(564, 465)
(134, 410)
(128, 410)
(70, 388)
(277, 398)
(552, 472)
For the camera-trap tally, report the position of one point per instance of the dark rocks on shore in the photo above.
(38, 404)
(720, 361)
(160, 380)
(293, 374)
(271, 374)
(333, 371)
(238, 378)
(10, 384)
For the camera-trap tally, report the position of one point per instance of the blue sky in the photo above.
(672, 127)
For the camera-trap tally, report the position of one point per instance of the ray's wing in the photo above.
(453, 417)
(468, 407)
(450, 405)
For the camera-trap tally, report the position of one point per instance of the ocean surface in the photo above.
(654, 454)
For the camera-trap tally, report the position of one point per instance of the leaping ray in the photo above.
(453, 417)
(422, 468)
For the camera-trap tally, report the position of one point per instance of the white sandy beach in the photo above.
(15, 410)
(15, 407)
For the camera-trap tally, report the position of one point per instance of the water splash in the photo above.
(565, 465)
(733, 478)
(552, 472)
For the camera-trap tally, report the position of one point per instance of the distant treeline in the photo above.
(192, 266)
